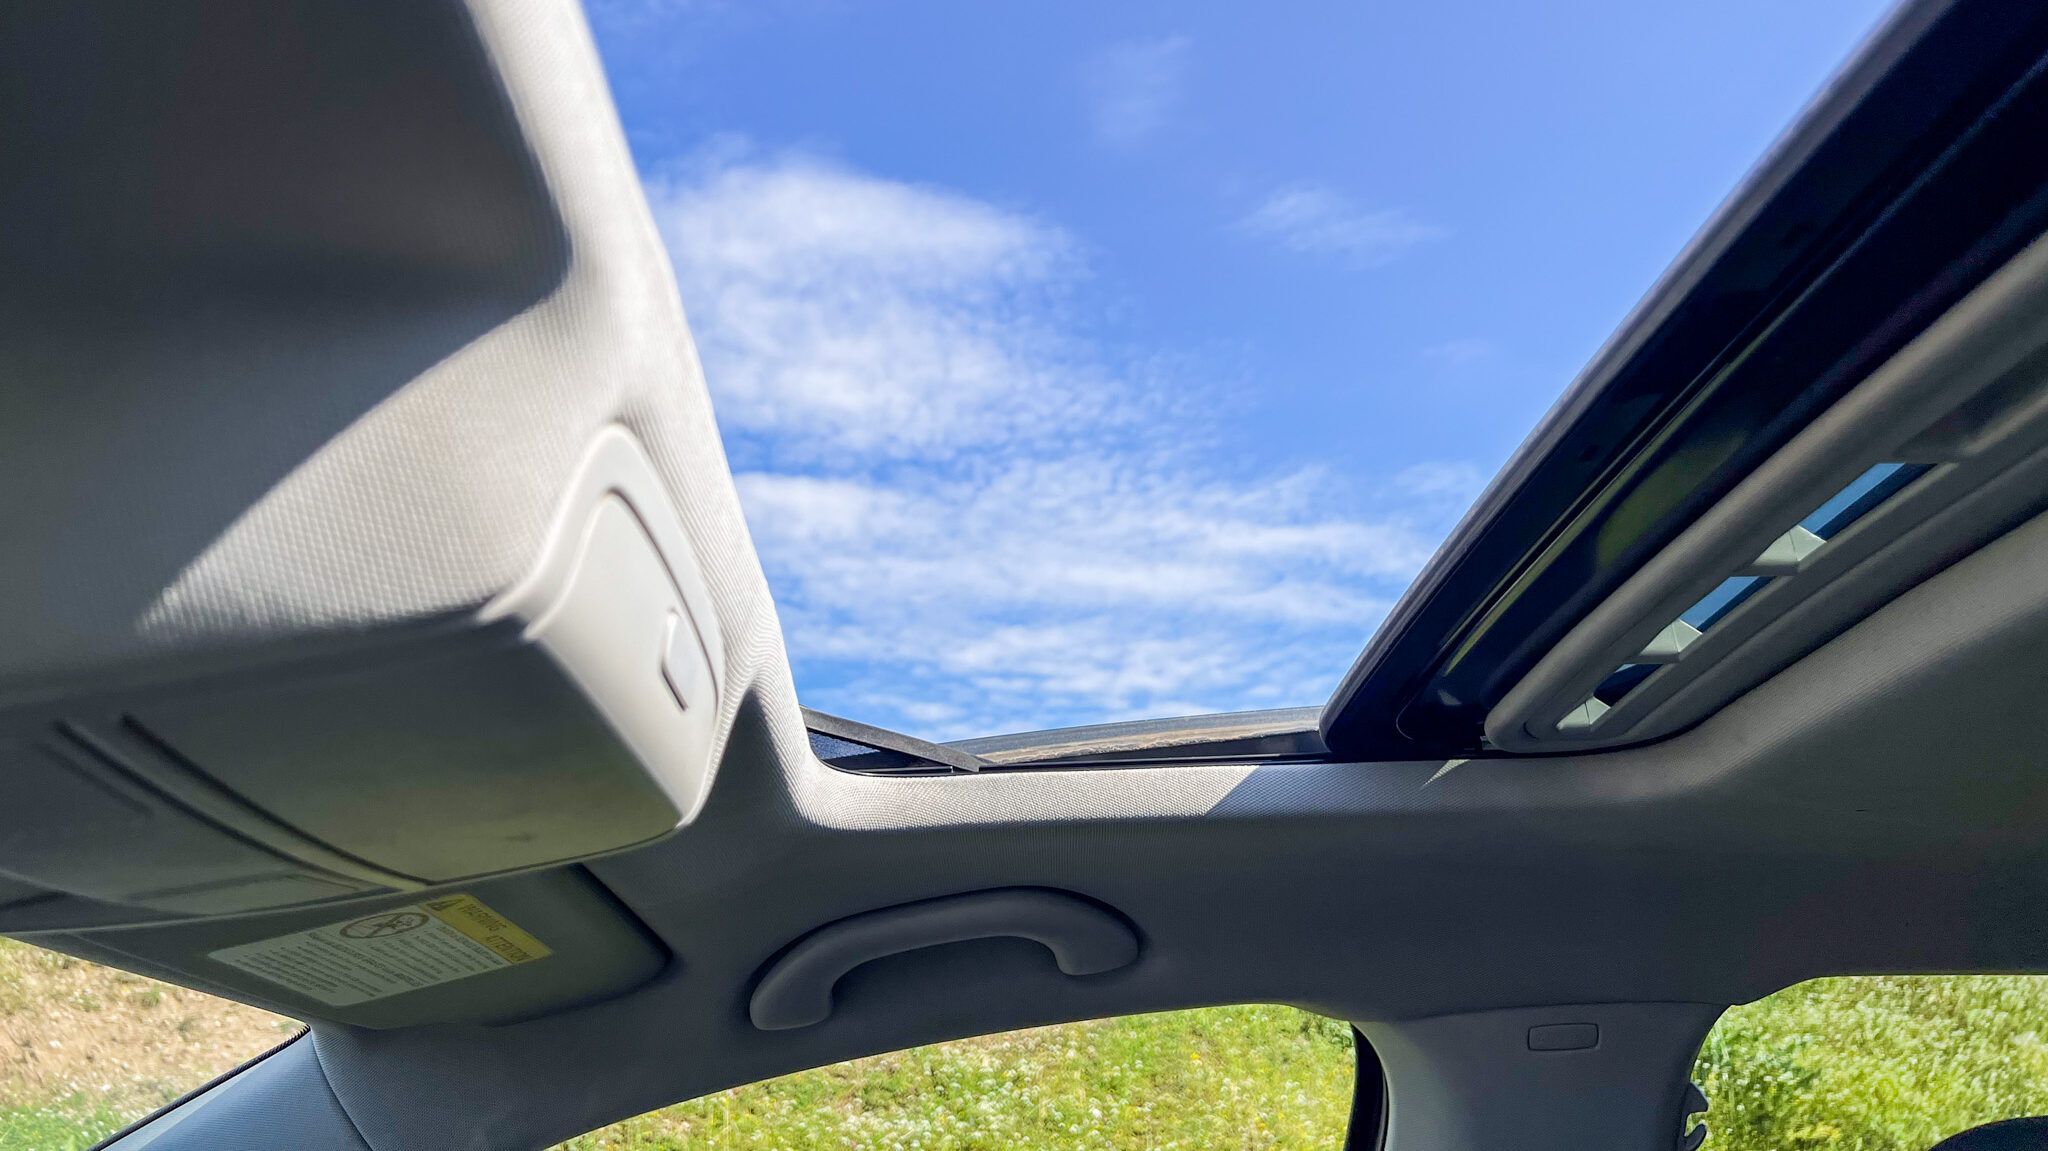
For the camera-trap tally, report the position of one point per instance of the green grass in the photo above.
(1229, 1077)
(72, 1124)
(1876, 1063)
(1867, 1064)
(85, 1049)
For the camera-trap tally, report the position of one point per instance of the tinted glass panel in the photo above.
(1876, 1063)
(1863, 494)
(1622, 681)
(1722, 600)
(1236, 1077)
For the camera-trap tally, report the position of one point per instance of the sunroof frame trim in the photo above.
(1939, 76)
(1998, 333)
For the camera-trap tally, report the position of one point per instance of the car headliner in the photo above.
(1878, 806)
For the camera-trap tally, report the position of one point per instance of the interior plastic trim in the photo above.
(185, 785)
(594, 635)
(1084, 938)
(613, 464)
(936, 755)
(1923, 405)
(1472, 1082)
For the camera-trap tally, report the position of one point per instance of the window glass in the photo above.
(85, 1050)
(1237, 1077)
(1725, 597)
(1861, 497)
(1876, 1063)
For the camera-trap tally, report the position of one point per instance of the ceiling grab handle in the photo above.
(1084, 938)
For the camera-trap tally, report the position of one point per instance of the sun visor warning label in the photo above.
(394, 951)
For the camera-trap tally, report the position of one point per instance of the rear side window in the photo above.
(85, 1050)
(1236, 1077)
(1876, 1063)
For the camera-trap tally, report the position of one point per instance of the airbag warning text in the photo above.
(396, 950)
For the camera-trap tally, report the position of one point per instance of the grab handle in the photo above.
(1084, 940)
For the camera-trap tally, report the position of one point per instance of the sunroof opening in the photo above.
(1862, 496)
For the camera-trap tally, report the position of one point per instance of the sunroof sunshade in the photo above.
(1863, 495)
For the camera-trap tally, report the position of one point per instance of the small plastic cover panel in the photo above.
(342, 351)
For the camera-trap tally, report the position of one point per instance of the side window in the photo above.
(85, 1050)
(1238, 1077)
(1876, 1063)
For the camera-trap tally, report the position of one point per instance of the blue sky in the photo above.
(1086, 361)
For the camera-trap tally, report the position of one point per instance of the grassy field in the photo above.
(85, 1049)
(1228, 1077)
(1870, 1064)
(1878, 1063)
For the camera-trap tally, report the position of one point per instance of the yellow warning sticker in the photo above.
(472, 918)
(396, 950)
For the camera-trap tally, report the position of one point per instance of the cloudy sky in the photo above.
(1083, 362)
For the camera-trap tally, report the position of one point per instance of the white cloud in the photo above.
(975, 520)
(850, 313)
(1311, 219)
(1131, 87)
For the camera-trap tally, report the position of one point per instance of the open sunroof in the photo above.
(1912, 178)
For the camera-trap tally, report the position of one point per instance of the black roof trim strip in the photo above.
(886, 740)
(1288, 733)
(1913, 175)
(1232, 737)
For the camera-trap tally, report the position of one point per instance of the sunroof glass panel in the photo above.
(1722, 600)
(1863, 494)
(1621, 681)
